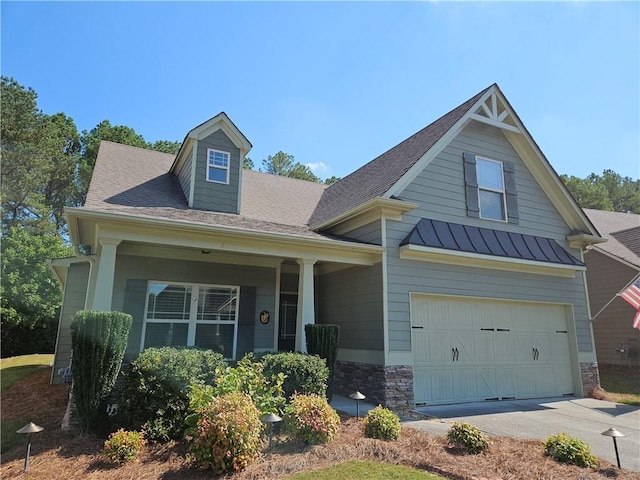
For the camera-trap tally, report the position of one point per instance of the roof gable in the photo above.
(622, 231)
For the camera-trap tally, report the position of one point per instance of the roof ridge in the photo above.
(134, 146)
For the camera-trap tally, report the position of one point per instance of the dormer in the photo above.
(209, 165)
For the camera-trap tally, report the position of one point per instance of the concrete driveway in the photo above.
(584, 418)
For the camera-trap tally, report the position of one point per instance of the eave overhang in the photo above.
(366, 213)
(583, 240)
(88, 226)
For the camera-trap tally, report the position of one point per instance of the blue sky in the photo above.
(336, 84)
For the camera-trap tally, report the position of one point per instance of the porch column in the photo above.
(306, 302)
(104, 278)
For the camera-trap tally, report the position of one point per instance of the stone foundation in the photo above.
(590, 377)
(390, 386)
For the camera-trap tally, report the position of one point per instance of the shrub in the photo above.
(311, 419)
(382, 423)
(226, 433)
(322, 340)
(468, 437)
(306, 374)
(98, 340)
(566, 449)
(248, 377)
(123, 446)
(155, 392)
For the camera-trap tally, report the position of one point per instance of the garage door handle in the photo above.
(536, 354)
(456, 354)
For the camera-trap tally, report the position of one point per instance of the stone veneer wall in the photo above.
(590, 377)
(390, 386)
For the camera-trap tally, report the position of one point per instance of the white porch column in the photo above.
(104, 277)
(306, 302)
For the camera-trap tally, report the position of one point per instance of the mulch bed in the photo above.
(56, 454)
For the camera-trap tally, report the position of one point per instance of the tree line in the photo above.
(47, 165)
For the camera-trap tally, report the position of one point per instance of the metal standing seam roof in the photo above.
(487, 241)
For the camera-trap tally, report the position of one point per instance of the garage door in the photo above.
(468, 350)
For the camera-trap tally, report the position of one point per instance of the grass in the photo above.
(15, 368)
(621, 383)
(11, 370)
(367, 470)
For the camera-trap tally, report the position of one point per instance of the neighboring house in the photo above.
(611, 267)
(452, 262)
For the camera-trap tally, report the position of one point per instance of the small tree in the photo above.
(322, 340)
(98, 340)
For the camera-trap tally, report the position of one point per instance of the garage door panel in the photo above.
(474, 349)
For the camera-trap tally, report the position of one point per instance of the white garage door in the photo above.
(471, 350)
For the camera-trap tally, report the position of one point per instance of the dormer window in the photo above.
(217, 166)
(491, 191)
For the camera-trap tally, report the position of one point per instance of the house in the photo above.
(452, 262)
(612, 267)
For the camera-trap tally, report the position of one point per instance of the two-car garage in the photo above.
(470, 349)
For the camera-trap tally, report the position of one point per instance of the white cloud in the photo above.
(318, 167)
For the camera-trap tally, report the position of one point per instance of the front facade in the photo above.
(452, 262)
(611, 268)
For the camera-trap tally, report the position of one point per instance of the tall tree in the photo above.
(284, 164)
(609, 191)
(588, 194)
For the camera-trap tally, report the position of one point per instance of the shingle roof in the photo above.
(135, 181)
(622, 231)
(380, 174)
(487, 241)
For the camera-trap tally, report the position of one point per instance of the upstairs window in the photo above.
(217, 166)
(491, 191)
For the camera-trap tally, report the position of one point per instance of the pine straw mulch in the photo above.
(56, 454)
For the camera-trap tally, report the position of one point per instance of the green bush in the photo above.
(226, 434)
(98, 340)
(123, 446)
(468, 437)
(381, 423)
(306, 374)
(248, 377)
(322, 340)
(155, 392)
(311, 419)
(566, 449)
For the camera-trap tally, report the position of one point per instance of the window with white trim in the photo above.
(179, 314)
(217, 166)
(491, 189)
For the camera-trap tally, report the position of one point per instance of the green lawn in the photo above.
(11, 370)
(15, 368)
(367, 471)
(621, 383)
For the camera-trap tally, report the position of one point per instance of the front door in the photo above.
(288, 319)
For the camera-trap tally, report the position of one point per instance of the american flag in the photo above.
(632, 296)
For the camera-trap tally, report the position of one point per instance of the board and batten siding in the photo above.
(133, 273)
(75, 294)
(183, 173)
(352, 298)
(440, 192)
(213, 196)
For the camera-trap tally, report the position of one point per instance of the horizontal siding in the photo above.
(370, 233)
(440, 192)
(184, 174)
(605, 278)
(352, 298)
(75, 293)
(613, 331)
(216, 196)
(145, 268)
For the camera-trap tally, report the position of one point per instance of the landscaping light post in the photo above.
(29, 428)
(357, 396)
(613, 433)
(271, 419)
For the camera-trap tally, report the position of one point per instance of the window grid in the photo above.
(217, 166)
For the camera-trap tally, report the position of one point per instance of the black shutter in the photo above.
(471, 184)
(512, 194)
(134, 301)
(247, 318)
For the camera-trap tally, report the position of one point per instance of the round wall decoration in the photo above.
(264, 317)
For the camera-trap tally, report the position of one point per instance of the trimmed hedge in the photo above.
(98, 340)
(382, 423)
(305, 374)
(155, 392)
(310, 418)
(322, 340)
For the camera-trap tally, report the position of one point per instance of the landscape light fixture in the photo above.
(29, 428)
(271, 419)
(357, 396)
(613, 433)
